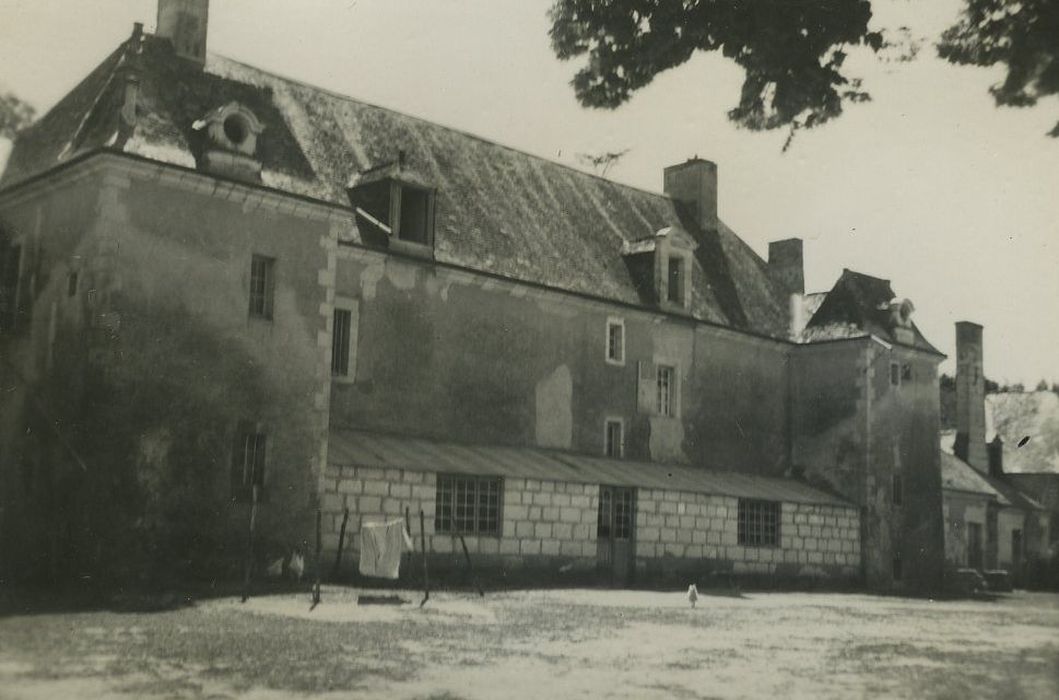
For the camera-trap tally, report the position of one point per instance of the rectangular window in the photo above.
(340, 335)
(666, 383)
(897, 489)
(759, 523)
(898, 572)
(624, 507)
(262, 282)
(616, 341)
(895, 374)
(71, 284)
(906, 373)
(468, 505)
(614, 438)
(675, 286)
(10, 259)
(414, 223)
(248, 463)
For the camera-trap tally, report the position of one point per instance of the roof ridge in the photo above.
(462, 132)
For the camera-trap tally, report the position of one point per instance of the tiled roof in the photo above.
(365, 449)
(498, 210)
(857, 306)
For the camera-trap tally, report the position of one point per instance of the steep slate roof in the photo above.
(368, 449)
(499, 210)
(857, 307)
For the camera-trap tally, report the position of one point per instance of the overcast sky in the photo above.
(930, 185)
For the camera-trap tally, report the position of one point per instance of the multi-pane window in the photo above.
(343, 323)
(615, 514)
(613, 438)
(666, 384)
(248, 462)
(675, 279)
(616, 342)
(897, 489)
(468, 505)
(623, 513)
(262, 282)
(759, 523)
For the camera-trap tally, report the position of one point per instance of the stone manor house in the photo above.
(215, 281)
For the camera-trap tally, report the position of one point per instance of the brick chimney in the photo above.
(693, 183)
(184, 23)
(785, 266)
(970, 397)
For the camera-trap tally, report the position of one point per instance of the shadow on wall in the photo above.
(149, 415)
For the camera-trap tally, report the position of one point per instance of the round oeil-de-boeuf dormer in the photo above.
(231, 141)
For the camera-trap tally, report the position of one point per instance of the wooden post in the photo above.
(341, 541)
(470, 569)
(316, 586)
(423, 538)
(408, 529)
(250, 543)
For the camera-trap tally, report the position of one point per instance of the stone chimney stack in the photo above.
(184, 23)
(970, 397)
(693, 183)
(786, 268)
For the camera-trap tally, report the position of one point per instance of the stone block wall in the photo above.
(539, 518)
(548, 524)
(815, 540)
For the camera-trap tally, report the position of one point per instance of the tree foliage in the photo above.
(14, 115)
(791, 51)
(1022, 35)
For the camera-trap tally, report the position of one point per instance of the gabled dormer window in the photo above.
(394, 208)
(661, 266)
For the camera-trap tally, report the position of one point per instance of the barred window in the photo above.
(262, 274)
(343, 322)
(468, 505)
(623, 514)
(666, 381)
(759, 523)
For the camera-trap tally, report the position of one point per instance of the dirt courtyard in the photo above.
(543, 644)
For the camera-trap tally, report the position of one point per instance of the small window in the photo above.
(248, 463)
(343, 322)
(262, 282)
(71, 284)
(605, 515)
(897, 490)
(666, 383)
(759, 523)
(675, 285)
(895, 374)
(468, 505)
(614, 438)
(898, 569)
(906, 373)
(616, 341)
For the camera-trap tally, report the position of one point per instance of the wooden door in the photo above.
(615, 533)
